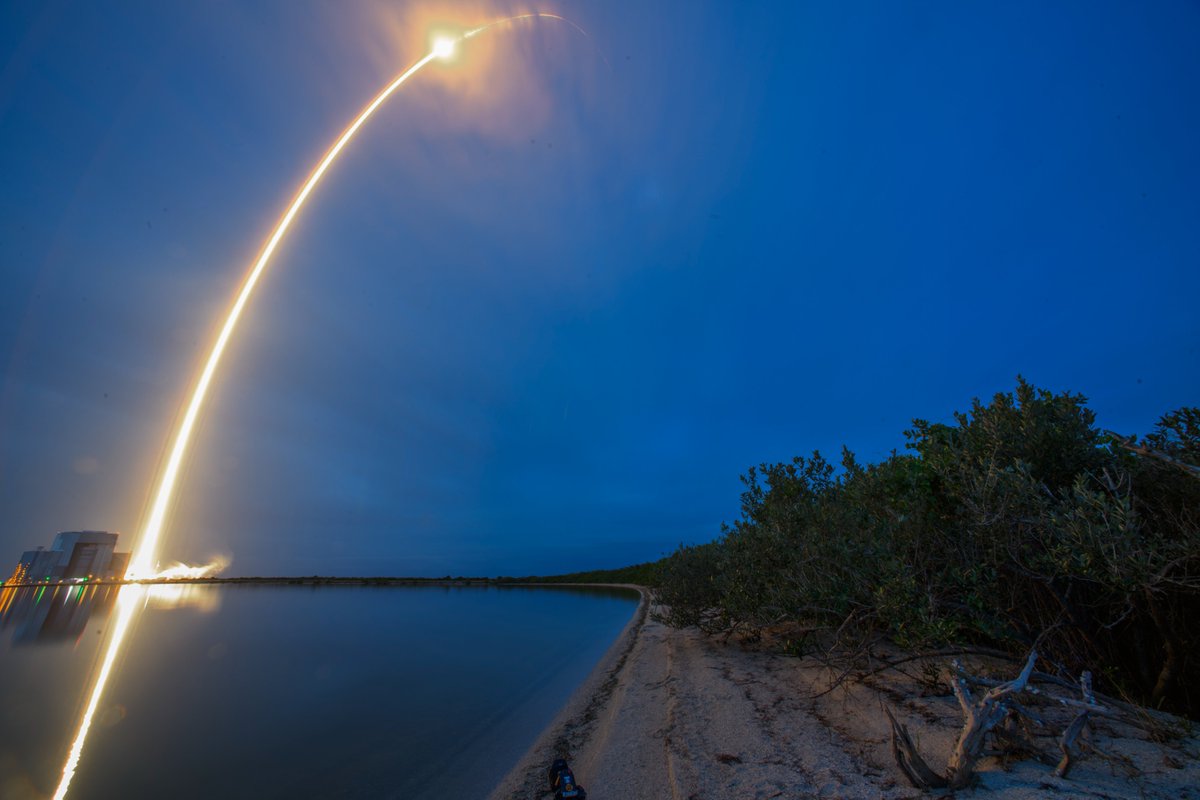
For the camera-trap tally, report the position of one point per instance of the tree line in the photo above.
(1021, 524)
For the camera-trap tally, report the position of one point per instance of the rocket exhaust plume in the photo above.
(145, 556)
(180, 570)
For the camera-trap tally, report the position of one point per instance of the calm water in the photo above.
(264, 692)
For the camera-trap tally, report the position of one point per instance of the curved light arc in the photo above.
(143, 563)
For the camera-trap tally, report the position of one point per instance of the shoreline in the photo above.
(670, 713)
(570, 728)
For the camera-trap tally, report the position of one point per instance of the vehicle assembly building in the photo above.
(75, 555)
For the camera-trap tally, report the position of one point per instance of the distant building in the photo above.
(74, 555)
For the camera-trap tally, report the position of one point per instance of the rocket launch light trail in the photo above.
(142, 564)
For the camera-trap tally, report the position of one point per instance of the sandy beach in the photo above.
(674, 714)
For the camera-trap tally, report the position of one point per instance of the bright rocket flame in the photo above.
(142, 564)
(444, 47)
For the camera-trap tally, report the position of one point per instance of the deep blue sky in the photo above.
(559, 295)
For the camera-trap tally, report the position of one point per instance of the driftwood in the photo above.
(909, 760)
(980, 716)
(1095, 703)
(1069, 702)
(1069, 742)
(984, 715)
(1015, 741)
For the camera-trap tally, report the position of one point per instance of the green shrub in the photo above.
(1022, 523)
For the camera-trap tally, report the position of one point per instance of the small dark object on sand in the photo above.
(562, 782)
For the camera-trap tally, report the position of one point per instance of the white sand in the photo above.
(673, 714)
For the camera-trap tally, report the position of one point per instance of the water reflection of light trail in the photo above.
(127, 602)
(142, 563)
(174, 595)
(130, 598)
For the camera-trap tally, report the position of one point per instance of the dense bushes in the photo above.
(1020, 524)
